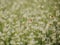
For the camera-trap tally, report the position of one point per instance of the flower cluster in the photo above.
(29, 22)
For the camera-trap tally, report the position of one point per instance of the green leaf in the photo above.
(1, 26)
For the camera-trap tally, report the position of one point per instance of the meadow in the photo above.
(29, 22)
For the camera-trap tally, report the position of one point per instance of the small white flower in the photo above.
(45, 0)
(12, 42)
(8, 33)
(1, 43)
(0, 34)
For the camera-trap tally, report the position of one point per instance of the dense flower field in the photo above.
(29, 22)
